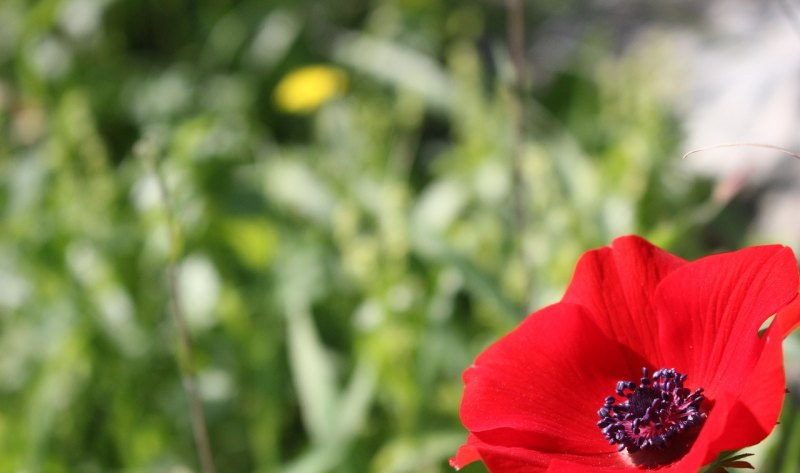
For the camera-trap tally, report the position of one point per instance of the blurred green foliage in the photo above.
(339, 269)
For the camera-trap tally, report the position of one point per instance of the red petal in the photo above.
(788, 319)
(503, 459)
(757, 403)
(539, 387)
(617, 284)
(710, 311)
(466, 454)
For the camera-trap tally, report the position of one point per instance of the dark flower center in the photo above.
(651, 414)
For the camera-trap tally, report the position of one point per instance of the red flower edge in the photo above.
(531, 399)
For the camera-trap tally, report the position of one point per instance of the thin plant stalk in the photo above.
(743, 145)
(515, 23)
(184, 355)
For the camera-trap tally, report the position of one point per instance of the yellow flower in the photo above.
(305, 89)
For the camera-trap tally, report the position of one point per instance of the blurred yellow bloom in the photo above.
(305, 89)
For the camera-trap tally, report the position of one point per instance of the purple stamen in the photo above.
(652, 413)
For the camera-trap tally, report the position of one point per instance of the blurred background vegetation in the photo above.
(363, 196)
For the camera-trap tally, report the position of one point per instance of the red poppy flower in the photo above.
(648, 361)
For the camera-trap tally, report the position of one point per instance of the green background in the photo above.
(338, 269)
